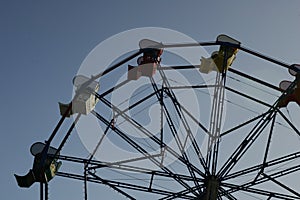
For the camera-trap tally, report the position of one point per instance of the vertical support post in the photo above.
(151, 182)
(46, 191)
(162, 121)
(215, 123)
(212, 182)
(41, 191)
(85, 181)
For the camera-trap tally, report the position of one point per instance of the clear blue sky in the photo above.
(42, 44)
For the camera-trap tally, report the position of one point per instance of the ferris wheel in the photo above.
(227, 137)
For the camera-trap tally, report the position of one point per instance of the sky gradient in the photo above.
(42, 45)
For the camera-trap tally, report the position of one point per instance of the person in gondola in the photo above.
(147, 64)
(294, 95)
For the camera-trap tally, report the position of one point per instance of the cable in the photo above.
(135, 114)
(132, 97)
(251, 195)
(250, 85)
(135, 178)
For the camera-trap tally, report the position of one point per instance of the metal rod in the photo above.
(148, 134)
(46, 190)
(267, 148)
(59, 124)
(119, 165)
(139, 148)
(259, 191)
(245, 145)
(117, 185)
(255, 79)
(243, 124)
(100, 141)
(195, 120)
(41, 191)
(227, 194)
(248, 97)
(162, 119)
(67, 135)
(136, 103)
(194, 44)
(289, 122)
(151, 181)
(191, 87)
(265, 179)
(85, 186)
(182, 67)
(265, 57)
(181, 193)
(113, 186)
(114, 88)
(116, 65)
(173, 129)
(184, 120)
(257, 54)
(270, 163)
(282, 185)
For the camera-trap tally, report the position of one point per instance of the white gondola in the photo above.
(84, 101)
